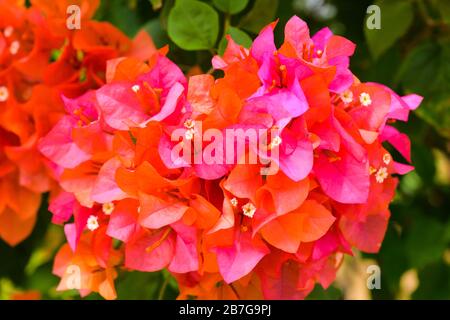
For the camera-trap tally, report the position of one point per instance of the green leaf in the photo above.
(331, 293)
(424, 163)
(164, 14)
(393, 249)
(122, 14)
(426, 70)
(262, 13)
(230, 6)
(154, 28)
(239, 36)
(425, 241)
(436, 111)
(444, 9)
(396, 18)
(139, 285)
(434, 282)
(193, 25)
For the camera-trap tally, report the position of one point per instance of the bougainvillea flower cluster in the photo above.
(40, 61)
(142, 174)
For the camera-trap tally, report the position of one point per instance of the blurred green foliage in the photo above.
(410, 53)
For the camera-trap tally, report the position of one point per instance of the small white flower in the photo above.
(381, 175)
(248, 210)
(276, 141)
(189, 134)
(92, 223)
(136, 88)
(319, 52)
(387, 158)
(234, 202)
(4, 93)
(347, 97)
(8, 31)
(14, 47)
(365, 99)
(108, 208)
(189, 124)
(139, 209)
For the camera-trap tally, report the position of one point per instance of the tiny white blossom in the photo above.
(14, 47)
(8, 31)
(365, 99)
(276, 141)
(108, 208)
(347, 96)
(189, 124)
(4, 93)
(92, 223)
(381, 175)
(189, 134)
(387, 158)
(136, 88)
(248, 210)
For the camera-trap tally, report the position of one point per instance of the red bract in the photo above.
(145, 160)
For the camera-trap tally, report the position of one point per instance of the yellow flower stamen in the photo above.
(8, 31)
(347, 97)
(365, 99)
(387, 158)
(14, 48)
(136, 88)
(248, 210)
(381, 175)
(189, 124)
(4, 94)
(92, 223)
(108, 208)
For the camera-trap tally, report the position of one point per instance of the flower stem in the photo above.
(162, 291)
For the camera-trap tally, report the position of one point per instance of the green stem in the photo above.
(226, 22)
(162, 291)
(423, 11)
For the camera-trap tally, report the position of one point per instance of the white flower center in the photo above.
(14, 47)
(8, 31)
(136, 88)
(92, 223)
(365, 99)
(387, 158)
(4, 94)
(189, 134)
(189, 124)
(347, 96)
(248, 210)
(276, 141)
(108, 208)
(381, 175)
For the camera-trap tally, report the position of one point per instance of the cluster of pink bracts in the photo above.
(227, 229)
